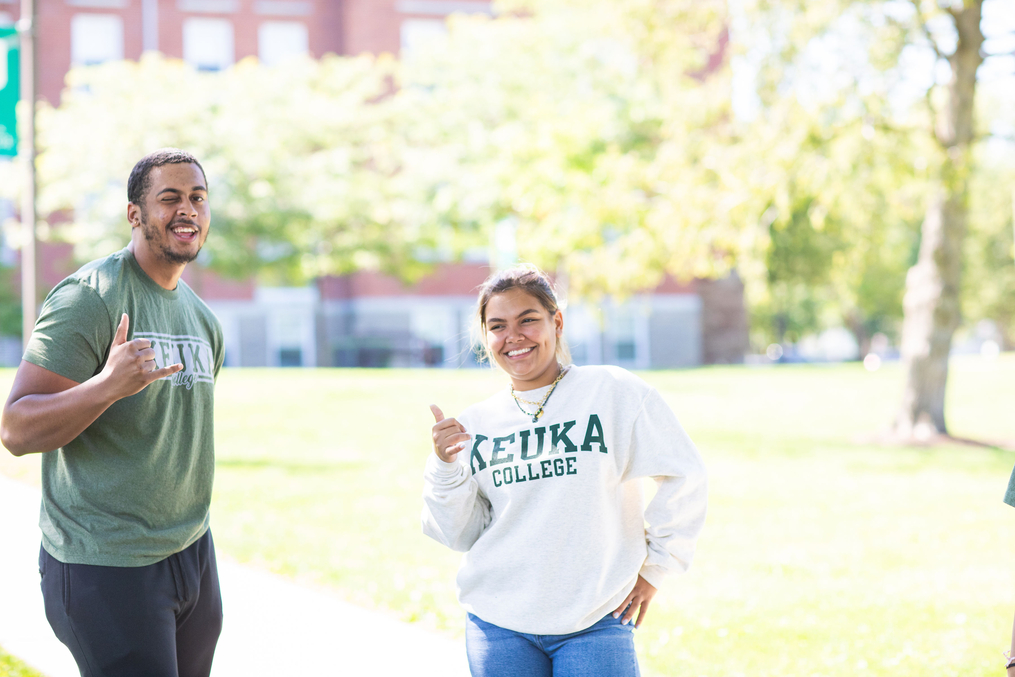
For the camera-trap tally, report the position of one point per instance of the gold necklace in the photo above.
(542, 402)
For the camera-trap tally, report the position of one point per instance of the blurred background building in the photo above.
(214, 34)
(365, 319)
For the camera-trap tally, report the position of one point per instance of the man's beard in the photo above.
(160, 247)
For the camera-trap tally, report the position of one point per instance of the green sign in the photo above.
(9, 90)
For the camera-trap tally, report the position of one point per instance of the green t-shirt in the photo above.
(135, 486)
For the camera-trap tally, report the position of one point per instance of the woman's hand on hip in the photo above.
(449, 436)
(638, 600)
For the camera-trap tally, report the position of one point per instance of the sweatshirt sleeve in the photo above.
(455, 513)
(662, 450)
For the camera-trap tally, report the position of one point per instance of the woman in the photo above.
(540, 487)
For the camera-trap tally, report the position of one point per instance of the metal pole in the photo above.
(29, 295)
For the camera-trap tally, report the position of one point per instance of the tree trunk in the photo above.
(931, 303)
(854, 321)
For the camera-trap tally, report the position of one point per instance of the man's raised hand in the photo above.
(449, 436)
(131, 365)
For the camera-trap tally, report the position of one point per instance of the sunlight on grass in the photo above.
(12, 667)
(822, 554)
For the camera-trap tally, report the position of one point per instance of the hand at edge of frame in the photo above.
(638, 599)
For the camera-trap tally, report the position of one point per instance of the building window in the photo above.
(209, 6)
(96, 4)
(622, 334)
(290, 357)
(417, 33)
(626, 351)
(443, 7)
(95, 39)
(281, 40)
(283, 8)
(208, 44)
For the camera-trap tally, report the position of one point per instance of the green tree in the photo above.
(841, 221)
(596, 129)
(988, 282)
(932, 302)
(875, 46)
(304, 161)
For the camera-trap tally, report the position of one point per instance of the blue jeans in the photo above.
(604, 650)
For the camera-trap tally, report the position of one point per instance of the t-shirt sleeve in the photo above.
(73, 333)
(1009, 494)
(219, 349)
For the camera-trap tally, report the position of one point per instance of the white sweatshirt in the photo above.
(550, 514)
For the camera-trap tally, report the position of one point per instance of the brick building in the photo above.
(214, 34)
(363, 319)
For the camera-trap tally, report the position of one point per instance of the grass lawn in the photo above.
(12, 667)
(823, 554)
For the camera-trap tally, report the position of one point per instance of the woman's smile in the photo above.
(522, 336)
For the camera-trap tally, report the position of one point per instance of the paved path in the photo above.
(272, 626)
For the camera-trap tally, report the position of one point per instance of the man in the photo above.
(116, 392)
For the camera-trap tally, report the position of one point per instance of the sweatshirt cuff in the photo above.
(653, 574)
(438, 468)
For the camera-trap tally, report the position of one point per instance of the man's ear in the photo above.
(133, 215)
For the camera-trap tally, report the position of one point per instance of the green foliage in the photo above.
(988, 285)
(303, 161)
(843, 218)
(595, 129)
(844, 125)
(10, 304)
(585, 125)
(12, 667)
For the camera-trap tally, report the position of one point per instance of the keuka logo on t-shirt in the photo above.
(193, 352)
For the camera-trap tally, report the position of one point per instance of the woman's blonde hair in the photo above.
(530, 280)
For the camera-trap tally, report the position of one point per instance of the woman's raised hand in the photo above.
(449, 436)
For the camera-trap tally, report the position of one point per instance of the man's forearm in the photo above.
(38, 423)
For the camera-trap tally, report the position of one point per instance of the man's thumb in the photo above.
(437, 413)
(121, 332)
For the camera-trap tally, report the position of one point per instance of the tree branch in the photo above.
(926, 31)
(929, 97)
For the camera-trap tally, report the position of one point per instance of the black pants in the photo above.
(160, 620)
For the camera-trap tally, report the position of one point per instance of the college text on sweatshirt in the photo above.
(548, 452)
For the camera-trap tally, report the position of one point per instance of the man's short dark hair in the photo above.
(140, 181)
